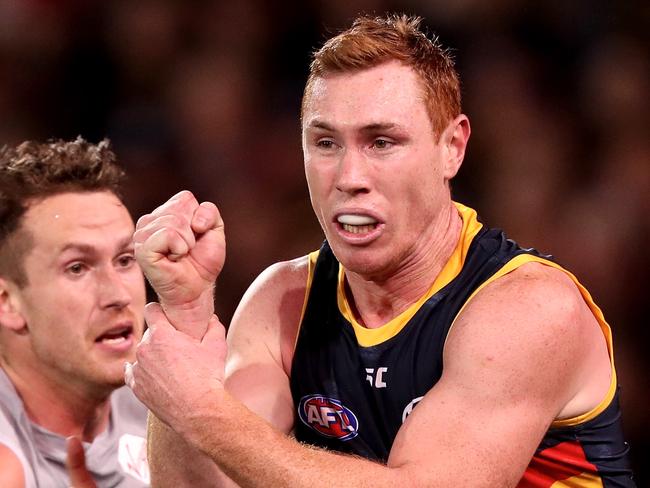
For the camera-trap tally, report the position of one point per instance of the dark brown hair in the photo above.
(33, 171)
(375, 40)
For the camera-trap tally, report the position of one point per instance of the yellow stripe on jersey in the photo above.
(584, 480)
(515, 263)
(370, 337)
(313, 256)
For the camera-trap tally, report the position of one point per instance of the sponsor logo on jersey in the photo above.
(132, 456)
(328, 417)
(409, 408)
(376, 378)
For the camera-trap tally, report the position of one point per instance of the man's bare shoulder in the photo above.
(534, 321)
(11, 472)
(531, 294)
(280, 288)
(271, 308)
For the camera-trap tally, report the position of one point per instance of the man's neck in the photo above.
(63, 409)
(375, 302)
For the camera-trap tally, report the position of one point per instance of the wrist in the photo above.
(190, 317)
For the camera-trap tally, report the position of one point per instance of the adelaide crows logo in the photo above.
(328, 417)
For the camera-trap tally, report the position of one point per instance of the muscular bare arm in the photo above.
(181, 248)
(255, 371)
(255, 374)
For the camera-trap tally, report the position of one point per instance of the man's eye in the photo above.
(75, 268)
(126, 260)
(325, 144)
(382, 144)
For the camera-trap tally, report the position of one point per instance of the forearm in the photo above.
(255, 454)
(176, 464)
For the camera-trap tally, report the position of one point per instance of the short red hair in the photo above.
(374, 40)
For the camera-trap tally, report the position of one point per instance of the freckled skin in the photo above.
(403, 180)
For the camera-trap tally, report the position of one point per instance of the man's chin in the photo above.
(113, 378)
(361, 260)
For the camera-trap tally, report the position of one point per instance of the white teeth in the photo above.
(357, 229)
(113, 341)
(353, 219)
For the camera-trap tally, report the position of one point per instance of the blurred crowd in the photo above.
(205, 95)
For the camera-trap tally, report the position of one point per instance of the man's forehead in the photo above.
(76, 205)
(386, 73)
(378, 94)
(78, 218)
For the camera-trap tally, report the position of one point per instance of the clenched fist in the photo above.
(181, 249)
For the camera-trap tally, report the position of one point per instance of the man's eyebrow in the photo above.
(379, 126)
(374, 127)
(319, 124)
(125, 243)
(77, 246)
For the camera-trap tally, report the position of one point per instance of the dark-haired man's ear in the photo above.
(10, 316)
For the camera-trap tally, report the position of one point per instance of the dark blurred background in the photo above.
(205, 95)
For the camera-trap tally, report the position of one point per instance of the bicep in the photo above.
(507, 374)
(260, 343)
(456, 437)
(12, 474)
(261, 385)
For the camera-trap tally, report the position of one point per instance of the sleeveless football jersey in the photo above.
(117, 458)
(353, 387)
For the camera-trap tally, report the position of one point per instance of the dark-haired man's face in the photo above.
(83, 304)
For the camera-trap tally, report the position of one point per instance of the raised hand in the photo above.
(181, 249)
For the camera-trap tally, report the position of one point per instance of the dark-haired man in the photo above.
(71, 306)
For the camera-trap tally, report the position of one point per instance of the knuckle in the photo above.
(140, 353)
(177, 221)
(143, 220)
(139, 236)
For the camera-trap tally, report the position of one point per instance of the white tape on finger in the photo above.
(128, 375)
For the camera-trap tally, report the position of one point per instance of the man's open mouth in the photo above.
(116, 335)
(357, 224)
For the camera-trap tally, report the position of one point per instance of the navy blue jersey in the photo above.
(353, 387)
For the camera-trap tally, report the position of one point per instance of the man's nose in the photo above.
(353, 176)
(113, 291)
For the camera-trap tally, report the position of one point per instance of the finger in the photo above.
(129, 378)
(183, 202)
(206, 217)
(144, 220)
(180, 200)
(155, 317)
(216, 332)
(146, 337)
(76, 464)
(164, 242)
(174, 222)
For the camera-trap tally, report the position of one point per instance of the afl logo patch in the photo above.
(328, 417)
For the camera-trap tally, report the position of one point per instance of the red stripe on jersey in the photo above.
(556, 463)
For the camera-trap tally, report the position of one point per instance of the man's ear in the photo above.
(455, 138)
(10, 315)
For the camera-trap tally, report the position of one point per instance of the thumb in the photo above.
(215, 336)
(75, 463)
(155, 317)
